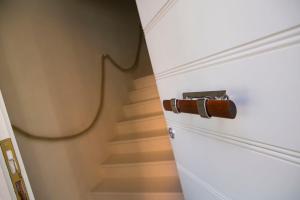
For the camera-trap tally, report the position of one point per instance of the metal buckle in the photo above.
(202, 98)
(174, 106)
(201, 106)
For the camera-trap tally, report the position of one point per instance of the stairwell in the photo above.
(141, 165)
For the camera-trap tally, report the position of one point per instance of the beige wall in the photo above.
(49, 76)
(145, 67)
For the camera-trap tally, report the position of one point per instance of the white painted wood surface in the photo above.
(251, 49)
(5, 190)
(7, 132)
(152, 8)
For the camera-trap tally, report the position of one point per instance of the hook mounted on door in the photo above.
(206, 104)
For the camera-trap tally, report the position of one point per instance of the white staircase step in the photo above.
(144, 82)
(143, 108)
(161, 143)
(141, 142)
(138, 158)
(136, 137)
(141, 125)
(161, 188)
(141, 165)
(143, 94)
(149, 164)
(135, 170)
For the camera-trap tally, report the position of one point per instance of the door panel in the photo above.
(263, 88)
(150, 8)
(251, 49)
(230, 169)
(192, 30)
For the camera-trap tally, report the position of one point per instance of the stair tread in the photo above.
(145, 81)
(142, 118)
(151, 87)
(143, 108)
(151, 76)
(144, 157)
(143, 94)
(154, 100)
(139, 185)
(139, 136)
(141, 124)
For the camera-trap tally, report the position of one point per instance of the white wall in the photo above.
(49, 76)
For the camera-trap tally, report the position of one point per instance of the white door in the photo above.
(251, 49)
(14, 183)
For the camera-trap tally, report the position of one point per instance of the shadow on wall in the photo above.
(49, 76)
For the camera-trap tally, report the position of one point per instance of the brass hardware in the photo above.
(14, 169)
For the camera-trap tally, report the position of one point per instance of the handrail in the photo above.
(104, 57)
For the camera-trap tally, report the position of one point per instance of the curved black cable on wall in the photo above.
(104, 58)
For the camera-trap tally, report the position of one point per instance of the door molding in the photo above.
(275, 41)
(290, 156)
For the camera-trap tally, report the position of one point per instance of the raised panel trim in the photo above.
(275, 41)
(283, 154)
(201, 183)
(159, 15)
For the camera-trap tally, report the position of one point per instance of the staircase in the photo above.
(141, 165)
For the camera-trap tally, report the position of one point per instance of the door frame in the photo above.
(6, 132)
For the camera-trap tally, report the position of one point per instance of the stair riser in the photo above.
(141, 109)
(160, 144)
(142, 196)
(140, 126)
(162, 169)
(143, 94)
(144, 82)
